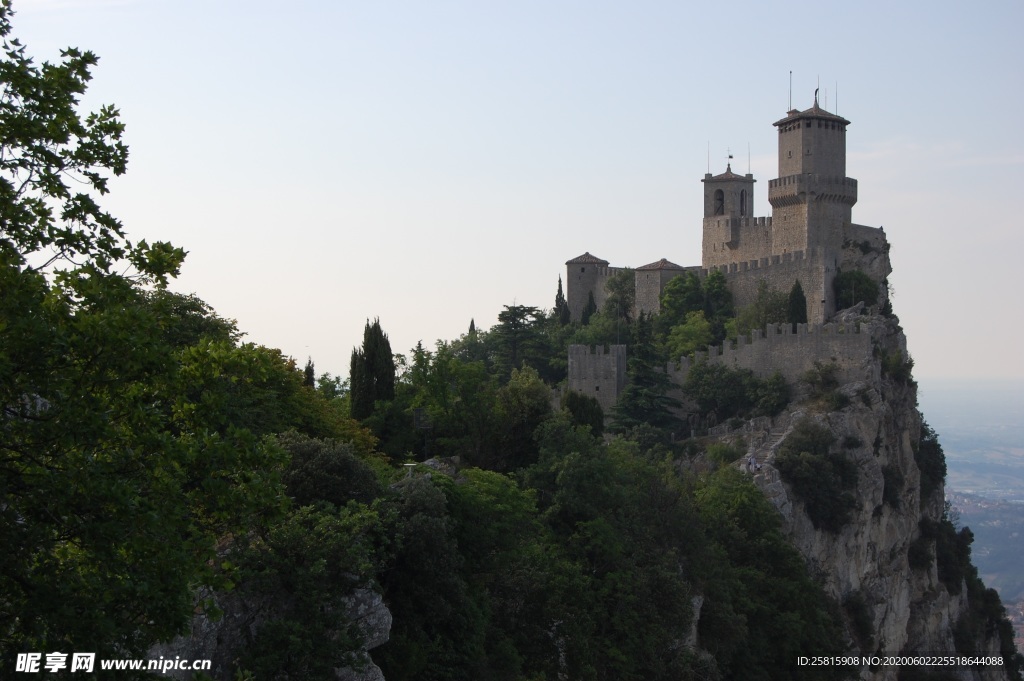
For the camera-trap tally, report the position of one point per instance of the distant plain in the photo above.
(981, 427)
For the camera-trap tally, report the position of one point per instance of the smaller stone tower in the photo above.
(585, 274)
(728, 206)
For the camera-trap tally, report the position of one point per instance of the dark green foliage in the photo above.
(682, 296)
(717, 297)
(853, 287)
(771, 395)
(796, 308)
(723, 454)
(521, 405)
(719, 389)
(306, 566)
(116, 479)
(371, 372)
(621, 288)
(326, 470)
(769, 307)
(897, 367)
(439, 628)
(562, 312)
(822, 480)
(518, 337)
(645, 399)
(861, 622)
(919, 553)
(588, 310)
(585, 410)
(761, 610)
(931, 461)
(309, 374)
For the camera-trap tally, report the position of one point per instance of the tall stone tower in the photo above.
(812, 198)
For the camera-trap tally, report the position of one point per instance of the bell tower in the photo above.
(728, 204)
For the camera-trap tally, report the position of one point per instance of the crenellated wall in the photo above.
(598, 372)
(779, 349)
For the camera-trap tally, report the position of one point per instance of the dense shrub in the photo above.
(853, 287)
(822, 480)
(931, 461)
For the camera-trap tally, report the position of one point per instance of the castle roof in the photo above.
(661, 265)
(586, 259)
(815, 112)
(726, 176)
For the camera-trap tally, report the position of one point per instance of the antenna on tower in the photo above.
(790, 90)
(709, 157)
(748, 158)
(837, 98)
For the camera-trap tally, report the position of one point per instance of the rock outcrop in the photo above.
(222, 640)
(875, 424)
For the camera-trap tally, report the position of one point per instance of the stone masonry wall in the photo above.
(599, 373)
(791, 354)
(731, 239)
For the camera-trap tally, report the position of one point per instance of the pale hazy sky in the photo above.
(427, 162)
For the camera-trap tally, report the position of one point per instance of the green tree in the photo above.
(717, 297)
(693, 334)
(518, 334)
(589, 309)
(522, 404)
(309, 374)
(645, 399)
(797, 305)
(621, 288)
(114, 483)
(682, 295)
(769, 307)
(371, 371)
(585, 410)
(562, 312)
(852, 287)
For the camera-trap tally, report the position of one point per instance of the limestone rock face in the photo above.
(223, 640)
(911, 610)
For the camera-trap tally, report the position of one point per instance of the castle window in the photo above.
(719, 202)
(583, 269)
(743, 203)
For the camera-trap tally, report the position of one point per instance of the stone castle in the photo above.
(809, 237)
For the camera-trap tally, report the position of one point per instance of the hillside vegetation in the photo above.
(155, 471)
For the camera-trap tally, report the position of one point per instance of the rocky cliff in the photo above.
(885, 562)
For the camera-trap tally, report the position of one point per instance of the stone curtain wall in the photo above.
(599, 373)
(780, 271)
(792, 354)
(729, 239)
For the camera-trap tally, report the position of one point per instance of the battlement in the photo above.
(791, 353)
(720, 221)
(760, 263)
(792, 189)
(598, 372)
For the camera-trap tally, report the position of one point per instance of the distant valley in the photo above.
(981, 428)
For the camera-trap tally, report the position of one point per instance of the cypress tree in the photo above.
(589, 309)
(371, 371)
(797, 309)
(562, 312)
(309, 374)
